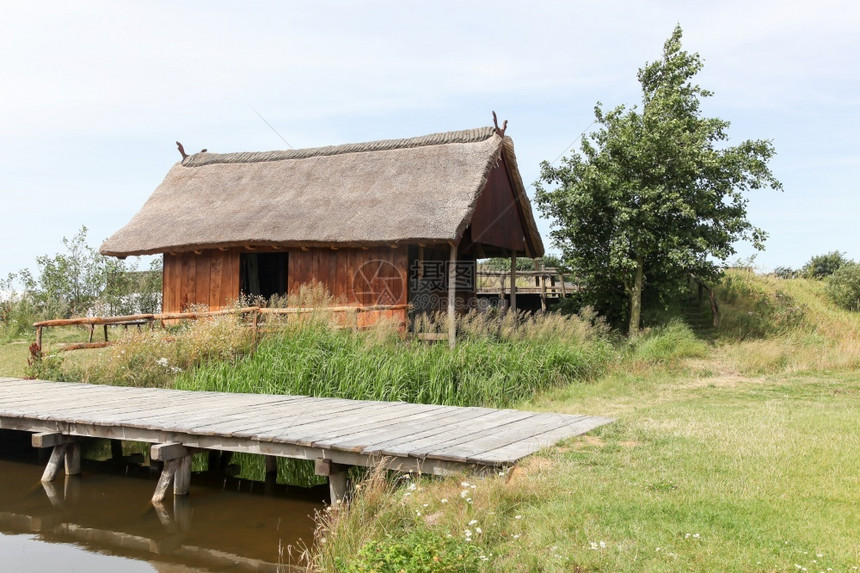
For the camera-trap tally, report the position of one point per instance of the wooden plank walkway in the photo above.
(408, 437)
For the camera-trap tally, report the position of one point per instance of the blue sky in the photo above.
(94, 94)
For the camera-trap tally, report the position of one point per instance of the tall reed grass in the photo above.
(496, 363)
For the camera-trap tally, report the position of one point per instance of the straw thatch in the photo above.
(422, 189)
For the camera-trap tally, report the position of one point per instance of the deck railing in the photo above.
(250, 313)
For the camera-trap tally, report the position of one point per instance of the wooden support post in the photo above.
(336, 474)
(164, 481)
(271, 465)
(106, 328)
(452, 296)
(563, 288)
(53, 467)
(182, 477)
(65, 451)
(73, 459)
(116, 450)
(177, 469)
(514, 282)
(39, 337)
(501, 293)
(92, 329)
(542, 280)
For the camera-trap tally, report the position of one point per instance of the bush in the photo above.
(823, 266)
(785, 273)
(843, 287)
(420, 550)
(669, 343)
(17, 315)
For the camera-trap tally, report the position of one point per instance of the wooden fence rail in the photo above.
(253, 313)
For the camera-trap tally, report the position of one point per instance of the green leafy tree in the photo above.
(655, 194)
(822, 266)
(79, 280)
(843, 286)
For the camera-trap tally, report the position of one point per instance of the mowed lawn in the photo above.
(721, 473)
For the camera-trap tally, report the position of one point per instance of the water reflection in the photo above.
(226, 524)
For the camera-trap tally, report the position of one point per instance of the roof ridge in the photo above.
(442, 138)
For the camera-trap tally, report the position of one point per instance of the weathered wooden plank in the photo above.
(318, 433)
(344, 431)
(306, 410)
(187, 405)
(496, 438)
(514, 451)
(171, 451)
(202, 288)
(49, 440)
(404, 429)
(454, 431)
(176, 413)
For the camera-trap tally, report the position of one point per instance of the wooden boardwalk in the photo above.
(336, 433)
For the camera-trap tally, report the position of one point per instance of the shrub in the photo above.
(669, 343)
(420, 551)
(843, 287)
(17, 315)
(785, 273)
(822, 266)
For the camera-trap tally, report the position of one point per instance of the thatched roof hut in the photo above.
(324, 212)
(402, 191)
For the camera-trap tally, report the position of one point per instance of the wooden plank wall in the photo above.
(435, 261)
(496, 220)
(355, 276)
(366, 277)
(210, 278)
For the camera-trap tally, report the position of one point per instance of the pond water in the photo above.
(103, 520)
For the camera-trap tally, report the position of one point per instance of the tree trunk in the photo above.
(636, 300)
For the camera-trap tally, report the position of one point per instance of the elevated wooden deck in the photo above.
(334, 432)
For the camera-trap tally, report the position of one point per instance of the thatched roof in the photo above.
(422, 189)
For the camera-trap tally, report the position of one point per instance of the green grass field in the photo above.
(740, 455)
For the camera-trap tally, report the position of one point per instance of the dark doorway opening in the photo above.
(263, 274)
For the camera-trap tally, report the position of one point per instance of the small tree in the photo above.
(655, 195)
(822, 266)
(843, 286)
(78, 280)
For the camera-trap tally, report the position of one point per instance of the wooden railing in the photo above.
(250, 313)
(548, 282)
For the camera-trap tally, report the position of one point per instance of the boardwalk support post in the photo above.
(66, 451)
(177, 469)
(452, 297)
(336, 474)
(513, 304)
